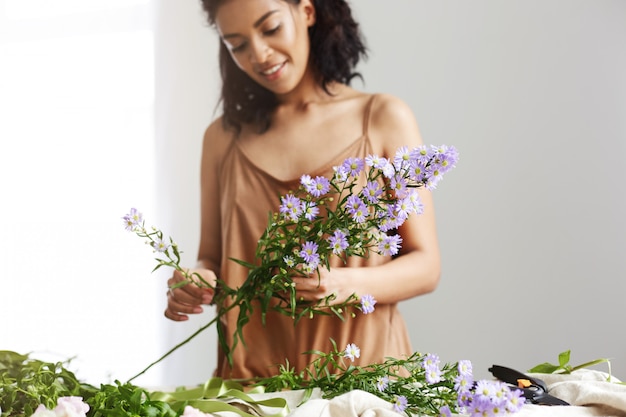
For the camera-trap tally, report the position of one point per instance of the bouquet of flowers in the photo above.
(350, 214)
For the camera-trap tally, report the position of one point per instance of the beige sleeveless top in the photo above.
(248, 194)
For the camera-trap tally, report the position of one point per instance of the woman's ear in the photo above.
(309, 11)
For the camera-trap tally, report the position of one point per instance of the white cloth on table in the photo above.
(588, 392)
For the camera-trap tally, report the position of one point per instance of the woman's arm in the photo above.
(416, 271)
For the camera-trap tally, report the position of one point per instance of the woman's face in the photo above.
(268, 39)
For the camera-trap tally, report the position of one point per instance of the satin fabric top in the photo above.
(248, 194)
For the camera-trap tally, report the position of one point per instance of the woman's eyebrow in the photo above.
(256, 24)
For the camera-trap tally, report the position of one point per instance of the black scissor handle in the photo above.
(536, 392)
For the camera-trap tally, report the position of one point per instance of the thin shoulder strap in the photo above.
(366, 115)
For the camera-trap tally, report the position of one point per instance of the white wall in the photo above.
(186, 84)
(532, 228)
(531, 222)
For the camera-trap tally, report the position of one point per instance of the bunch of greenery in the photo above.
(26, 383)
(348, 215)
(416, 385)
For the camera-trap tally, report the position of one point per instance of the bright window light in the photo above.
(76, 153)
(36, 9)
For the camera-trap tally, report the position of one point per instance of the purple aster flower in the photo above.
(464, 398)
(480, 406)
(403, 208)
(353, 166)
(341, 174)
(306, 181)
(417, 170)
(432, 374)
(376, 161)
(372, 192)
(415, 201)
(338, 242)
(501, 393)
(399, 185)
(386, 221)
(309, 252)
(352, 352)
(159, 245)
(321, 185)
(310, 210)
(444, 412)
(463, 383)
(310, 267)
(382, 382)
(421, 155)
(389, 171)
(397, 214)
(133, 220)
(367, 303)
(316, 187)
(430, 360)
(390, 245)
(515, 401)
(291, 207)
(465, 367)
(484, 390)
(399, 403)
(356, 208)
(402, 158)
(451, 156)
(430, 183)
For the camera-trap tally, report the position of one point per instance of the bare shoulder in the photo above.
(216, 140)
(392, 125)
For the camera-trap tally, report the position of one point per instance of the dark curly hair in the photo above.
(337, 45)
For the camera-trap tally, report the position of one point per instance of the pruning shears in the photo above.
(535, 390)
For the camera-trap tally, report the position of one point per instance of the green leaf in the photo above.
(544, 368)
(564, 358)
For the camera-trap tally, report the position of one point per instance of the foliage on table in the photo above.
(416, 385)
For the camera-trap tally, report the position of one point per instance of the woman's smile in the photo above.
(273, 72)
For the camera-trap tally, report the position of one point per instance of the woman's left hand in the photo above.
(324, 283)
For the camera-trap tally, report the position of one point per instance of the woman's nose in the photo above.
(259, 52)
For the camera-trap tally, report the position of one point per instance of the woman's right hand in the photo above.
(188, 298)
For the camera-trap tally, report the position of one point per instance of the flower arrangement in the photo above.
(348, 215)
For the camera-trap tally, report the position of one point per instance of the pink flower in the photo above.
(71, 407)
(66, 407)
(42, 411)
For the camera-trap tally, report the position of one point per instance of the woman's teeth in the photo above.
(272, 70)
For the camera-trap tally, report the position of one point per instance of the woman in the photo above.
(288, 110)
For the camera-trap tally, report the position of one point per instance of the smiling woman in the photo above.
(288, 110)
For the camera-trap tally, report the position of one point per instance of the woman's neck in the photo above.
(309, 91)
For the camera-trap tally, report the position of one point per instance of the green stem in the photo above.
(169, 352)
(219, 314)
(588, 364)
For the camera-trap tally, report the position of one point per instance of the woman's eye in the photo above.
(238, 48)
(272, 31)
